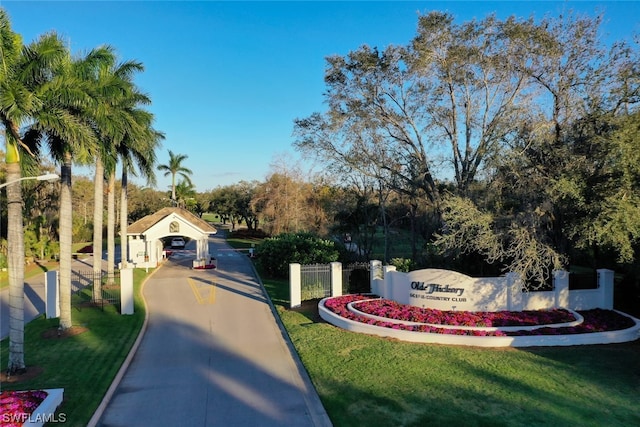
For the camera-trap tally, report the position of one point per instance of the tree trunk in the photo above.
(15, 264)
(98, 215)
(124, 255)
(66, 220)
(111, 226)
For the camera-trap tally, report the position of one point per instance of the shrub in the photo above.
(402, 264)
(276, 253)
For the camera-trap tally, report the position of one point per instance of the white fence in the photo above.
(480, 294)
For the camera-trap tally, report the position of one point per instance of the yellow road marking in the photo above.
(211, 299)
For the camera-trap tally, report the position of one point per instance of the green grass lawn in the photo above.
(370, 381)
(83, 364)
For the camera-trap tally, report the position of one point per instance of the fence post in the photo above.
(336, 279)
(126, 291)
(561, 288)
(52, 294)
(605, 288)
(295, 292)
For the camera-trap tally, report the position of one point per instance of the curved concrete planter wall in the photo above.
(625, 335)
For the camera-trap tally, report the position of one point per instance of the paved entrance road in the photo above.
(213, 354)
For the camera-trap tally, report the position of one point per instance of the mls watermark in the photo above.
(18, 418)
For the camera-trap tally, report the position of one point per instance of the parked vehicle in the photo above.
(177, 242)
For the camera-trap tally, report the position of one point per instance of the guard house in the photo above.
(144, 236)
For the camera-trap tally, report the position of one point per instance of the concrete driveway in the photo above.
(213, 354)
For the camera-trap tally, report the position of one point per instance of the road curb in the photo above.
(93, 422)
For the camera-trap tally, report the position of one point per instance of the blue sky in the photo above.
(227, 79)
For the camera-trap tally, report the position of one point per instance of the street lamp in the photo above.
(45, 177)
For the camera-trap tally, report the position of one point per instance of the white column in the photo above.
(561, 288)
(387, 282)
(126, 291)
(514, 292)
(605, 288)
(376, 282)
(295, 286)
(336, 279)
(52, 294)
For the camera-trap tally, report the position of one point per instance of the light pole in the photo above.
(45, 177)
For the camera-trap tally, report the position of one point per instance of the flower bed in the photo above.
(363, 313)
(30, 408)
(386, 310)
(17, 406)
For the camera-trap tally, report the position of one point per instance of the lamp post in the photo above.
(46, 177)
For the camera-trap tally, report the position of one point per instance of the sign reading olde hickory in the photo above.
(440, 289)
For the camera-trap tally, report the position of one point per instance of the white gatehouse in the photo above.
(144, 237)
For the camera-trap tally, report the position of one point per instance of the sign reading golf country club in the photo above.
(447, 290)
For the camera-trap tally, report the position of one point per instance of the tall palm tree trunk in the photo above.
(124, 200)
(111, 225)
(98, 214)
(66, 212)
(15, 264)
(174, 202)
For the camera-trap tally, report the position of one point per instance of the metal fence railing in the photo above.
(82, 286)
(315, 280)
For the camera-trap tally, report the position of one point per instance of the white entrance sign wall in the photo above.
(449, 290)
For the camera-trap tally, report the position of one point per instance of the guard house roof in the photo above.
(144, 224)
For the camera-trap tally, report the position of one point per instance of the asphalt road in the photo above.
(213, 354)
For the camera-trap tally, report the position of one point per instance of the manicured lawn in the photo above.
(372, 381)
(83, 364)
(366, 380)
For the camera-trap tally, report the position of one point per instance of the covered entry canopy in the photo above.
(144, 236)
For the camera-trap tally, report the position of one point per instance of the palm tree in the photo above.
(75, 78)
(25, 79)
(98, 214)
(173, 168)
(134, 137)
(140, 152)
(185, 192)
(112, 86)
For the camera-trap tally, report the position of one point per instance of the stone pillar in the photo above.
(336, 279)
(51, 295)
(295, 285)
(126, 291)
